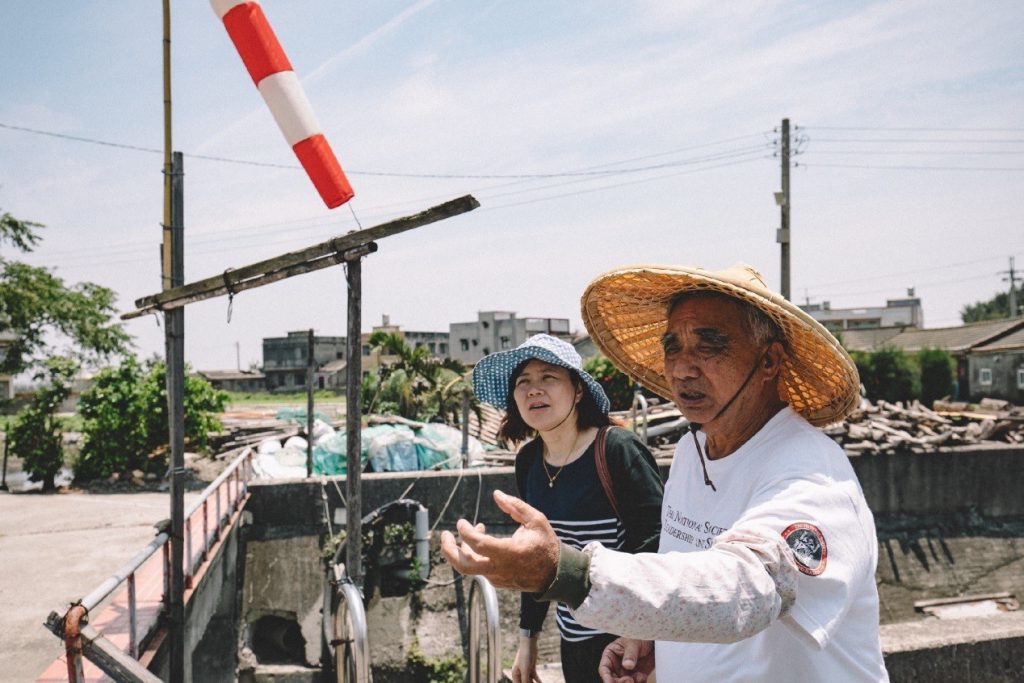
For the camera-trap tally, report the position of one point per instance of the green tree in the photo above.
(36, 306)
(37, 435)
(888, 374)
(996, 308)
(937, 368)
(125, 419)
(616, 385)
(415, 385)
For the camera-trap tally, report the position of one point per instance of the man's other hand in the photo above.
(526, 561)
(626, 660)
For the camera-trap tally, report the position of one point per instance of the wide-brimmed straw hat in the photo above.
(492, 374)
(626, 310)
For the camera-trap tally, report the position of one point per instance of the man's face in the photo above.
(708, 354)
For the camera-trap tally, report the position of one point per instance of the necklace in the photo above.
(543, 462)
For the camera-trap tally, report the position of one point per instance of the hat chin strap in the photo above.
(697, 426)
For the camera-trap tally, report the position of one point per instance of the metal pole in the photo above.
(7, 445)
(174, 334)
(1013, 289)
(165, 256)
(353, 415)
(310, 377)
(465, 428)
(783, 237)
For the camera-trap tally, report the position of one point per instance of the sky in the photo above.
(594, 135)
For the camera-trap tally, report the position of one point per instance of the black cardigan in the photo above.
(638, 489)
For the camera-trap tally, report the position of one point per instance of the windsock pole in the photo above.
(274, 77)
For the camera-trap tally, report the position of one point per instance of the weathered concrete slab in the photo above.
(976, 650)
(56, 548)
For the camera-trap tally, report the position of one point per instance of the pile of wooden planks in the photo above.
(884, 427)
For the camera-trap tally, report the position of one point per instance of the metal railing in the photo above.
(639, 398)
(482, 586)
(230, 487)
(351, 647)
(233, 483)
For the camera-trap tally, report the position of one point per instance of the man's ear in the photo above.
(774, 355)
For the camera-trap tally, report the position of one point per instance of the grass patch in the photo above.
(237, 398)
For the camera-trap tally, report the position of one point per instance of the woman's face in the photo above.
(545, 395)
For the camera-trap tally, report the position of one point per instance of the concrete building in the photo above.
(241, 381)
(285, 359)
(996, 369)
(988, 344)
(905, 312)
(499, 331)
(436, 344)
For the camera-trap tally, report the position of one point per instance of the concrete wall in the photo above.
(983, 478)
(949, 523)
(211, 618)
(987, 649)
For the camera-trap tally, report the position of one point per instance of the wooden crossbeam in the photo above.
(329, 253)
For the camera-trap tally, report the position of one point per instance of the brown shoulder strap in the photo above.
(602, 469)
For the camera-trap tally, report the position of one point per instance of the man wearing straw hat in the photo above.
(768, 551)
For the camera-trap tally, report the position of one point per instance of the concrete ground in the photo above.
(56, 548)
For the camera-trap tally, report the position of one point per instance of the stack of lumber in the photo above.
(884, 427)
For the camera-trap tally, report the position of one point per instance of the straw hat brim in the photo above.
(625, 311)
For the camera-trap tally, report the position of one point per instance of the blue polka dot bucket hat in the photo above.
(492, 374)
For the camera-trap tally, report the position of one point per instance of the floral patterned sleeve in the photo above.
(744, 582)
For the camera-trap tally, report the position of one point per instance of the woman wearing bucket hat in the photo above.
(593, 482)
(766, 566)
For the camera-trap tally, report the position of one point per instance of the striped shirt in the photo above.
(579, 512)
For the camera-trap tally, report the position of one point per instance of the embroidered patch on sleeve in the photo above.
(808, 545)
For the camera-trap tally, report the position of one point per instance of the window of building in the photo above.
(985, 376)
(863, 323)
(464, 343)
(433, 347)
(300, 378)
(366, 349)
(506, 343)
(475, 342)
(339, 355)
(487, 351)
(1020, 378)
(444, 349)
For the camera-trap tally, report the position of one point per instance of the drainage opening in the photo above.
(277, 640)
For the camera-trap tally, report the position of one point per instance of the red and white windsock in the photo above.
(274, 78)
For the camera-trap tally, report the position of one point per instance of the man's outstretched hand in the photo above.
(626, 660)
(525, 561)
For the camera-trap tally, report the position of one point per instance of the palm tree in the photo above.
(416, 385)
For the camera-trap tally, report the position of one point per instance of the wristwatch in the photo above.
(527, 633)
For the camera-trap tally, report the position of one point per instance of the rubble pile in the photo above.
(884, 427)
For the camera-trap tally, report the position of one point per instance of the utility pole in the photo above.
(1012, 278)
(310, 378)
(238, 356)
(174, 339)
(782, 199)
(173, 275)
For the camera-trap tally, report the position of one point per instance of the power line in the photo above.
(915, 129)
(916, 168)
(914, 152)
(906, 272)
(394, 174)
(960, 141)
